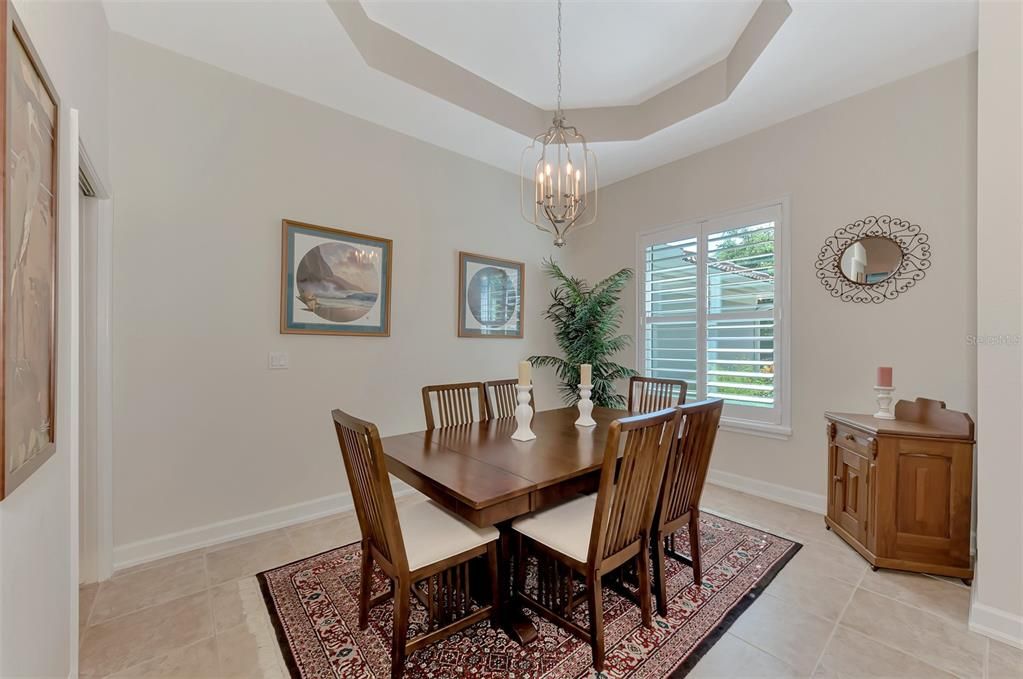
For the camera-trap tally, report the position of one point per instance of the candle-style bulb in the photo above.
(548, 169)
(568, 169)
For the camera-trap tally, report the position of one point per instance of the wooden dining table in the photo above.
(480, 473)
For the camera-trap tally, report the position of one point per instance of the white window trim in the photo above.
(782, 429)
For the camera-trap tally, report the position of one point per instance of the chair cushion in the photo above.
(432, 533)
(565, 528)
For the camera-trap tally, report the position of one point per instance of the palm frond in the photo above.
(586, 322)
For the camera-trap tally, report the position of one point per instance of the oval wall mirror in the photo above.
(873, 259)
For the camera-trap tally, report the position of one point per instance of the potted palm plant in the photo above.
(586, 322)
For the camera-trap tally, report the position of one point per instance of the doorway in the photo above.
(95, 446)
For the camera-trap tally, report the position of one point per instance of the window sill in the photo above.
(753, 428)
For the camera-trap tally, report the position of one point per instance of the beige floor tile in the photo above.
(150, 633)
(933, 595)
(850, 654)
(320, 536)
(840, 561)
(812, 590)
(250, 650)
(198, 661)
(1004, 662)
(931, 638)
(785, 631)
(236, 602)
(247, 558)
(732, 657)
(86, 597)
(132, 591)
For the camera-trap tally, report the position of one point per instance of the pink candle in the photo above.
(884, 377)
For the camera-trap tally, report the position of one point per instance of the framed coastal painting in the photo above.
(490, 296)
(334, 282)
(29, 255)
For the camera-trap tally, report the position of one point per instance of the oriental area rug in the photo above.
(314, 606)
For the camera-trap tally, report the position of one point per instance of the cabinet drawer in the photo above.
(854, 440)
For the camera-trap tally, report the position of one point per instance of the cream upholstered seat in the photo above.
(595, 536)
(420, 545)
(564, 528)
(432, 534)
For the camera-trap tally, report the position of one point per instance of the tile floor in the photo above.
(826, 614)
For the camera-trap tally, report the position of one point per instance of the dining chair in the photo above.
(647, 394)
(594, 535)
(684, 477)
(502, 397)
(460, 403)
(425, 550)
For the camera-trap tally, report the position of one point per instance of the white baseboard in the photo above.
(150, 549)
(997, 624)
(772, 491)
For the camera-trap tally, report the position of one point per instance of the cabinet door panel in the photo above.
(852, 493)
(933, 482)
(924, 495)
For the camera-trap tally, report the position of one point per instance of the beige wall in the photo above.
(998, 593)
(906, 149)
(206, 165)
(38, 521)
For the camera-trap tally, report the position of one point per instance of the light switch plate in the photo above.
(278, 360)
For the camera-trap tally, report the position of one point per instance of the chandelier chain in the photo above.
(558, 113)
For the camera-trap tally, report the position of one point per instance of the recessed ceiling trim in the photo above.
(392, 53)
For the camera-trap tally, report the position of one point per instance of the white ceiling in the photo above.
(614, 53)
(827, 50)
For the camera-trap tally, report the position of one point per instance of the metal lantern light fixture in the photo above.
(562, 181)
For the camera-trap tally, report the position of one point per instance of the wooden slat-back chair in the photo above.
(502, 397)
(593, 535)
(460, 403)
(684, 477)
(425, 550)
(647, 394)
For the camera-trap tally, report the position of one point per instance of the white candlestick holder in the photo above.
(884, 403)
(523, 415)
(585, 407)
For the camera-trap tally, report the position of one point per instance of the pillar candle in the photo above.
(884, 377)
(524, 377)
(585, 374)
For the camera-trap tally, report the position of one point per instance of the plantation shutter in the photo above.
(710, 314)
(671, 302)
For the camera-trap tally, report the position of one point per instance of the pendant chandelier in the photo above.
(558, 175)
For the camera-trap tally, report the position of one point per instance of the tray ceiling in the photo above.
(823, 52)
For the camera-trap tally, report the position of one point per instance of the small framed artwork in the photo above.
(28, 176)
(490, 296)
(334, 282)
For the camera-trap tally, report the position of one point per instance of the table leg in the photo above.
(517, 624)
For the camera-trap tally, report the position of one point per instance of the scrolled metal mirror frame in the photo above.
(916, 259)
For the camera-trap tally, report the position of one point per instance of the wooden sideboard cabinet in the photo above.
(901, 491)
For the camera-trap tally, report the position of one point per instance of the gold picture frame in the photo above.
(491, 297)
(28, 249)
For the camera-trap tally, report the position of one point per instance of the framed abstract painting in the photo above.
(490, 296)
(334, 282)
(29, 255)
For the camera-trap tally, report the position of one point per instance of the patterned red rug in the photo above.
(314, 607)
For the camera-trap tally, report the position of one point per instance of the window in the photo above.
(711, 298)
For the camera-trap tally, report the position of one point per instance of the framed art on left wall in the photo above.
(29, 255)
(334, 282)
